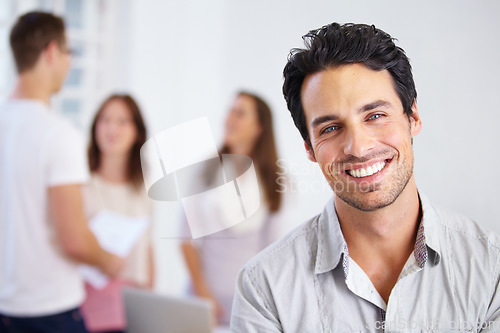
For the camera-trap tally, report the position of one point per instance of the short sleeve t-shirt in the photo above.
(38, 150)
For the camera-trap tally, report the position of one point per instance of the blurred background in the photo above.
(186, 59)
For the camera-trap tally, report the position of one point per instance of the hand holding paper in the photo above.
(116, 233)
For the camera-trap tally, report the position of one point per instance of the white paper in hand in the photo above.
(116, 233)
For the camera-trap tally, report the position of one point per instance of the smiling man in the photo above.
(380, 257)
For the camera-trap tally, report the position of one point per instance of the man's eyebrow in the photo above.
(331, 117)
(323, 119)
(374, 105)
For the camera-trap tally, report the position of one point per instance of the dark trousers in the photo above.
(66, 322)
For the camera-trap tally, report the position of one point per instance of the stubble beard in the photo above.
(353, 195)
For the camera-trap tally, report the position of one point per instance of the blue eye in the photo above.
(330, 129)
(375, 116)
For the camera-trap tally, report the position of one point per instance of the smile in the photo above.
(368, 171)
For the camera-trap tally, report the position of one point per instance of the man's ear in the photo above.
(310, 152)
(415, 122)
(51, 51)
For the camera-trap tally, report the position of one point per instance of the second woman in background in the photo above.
(214, 261)
(116, 185)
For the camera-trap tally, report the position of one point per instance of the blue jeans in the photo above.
(66, 322)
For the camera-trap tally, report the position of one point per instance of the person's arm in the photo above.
(282, 220)
(76, 239)
(151, 268)
(200, 286)
(251, 310)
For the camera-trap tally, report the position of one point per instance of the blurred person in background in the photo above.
(43, 232)
(213, 261)
(117, 185)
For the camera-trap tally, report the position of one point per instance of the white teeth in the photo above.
(358, 173)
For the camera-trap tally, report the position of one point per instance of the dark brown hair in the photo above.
(264, 153)
(335, 45)
(31, 34)
(134, 170)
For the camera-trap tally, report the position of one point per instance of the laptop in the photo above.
(148, 312)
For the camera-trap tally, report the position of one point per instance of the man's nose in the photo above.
(358, 141)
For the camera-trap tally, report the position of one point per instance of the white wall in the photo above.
(188, 58)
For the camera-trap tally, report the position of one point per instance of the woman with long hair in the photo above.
(116, 185)
(213, 261)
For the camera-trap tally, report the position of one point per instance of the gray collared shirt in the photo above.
(307, 282)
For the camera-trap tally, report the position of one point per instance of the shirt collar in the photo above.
(332, 248)
(430, 226)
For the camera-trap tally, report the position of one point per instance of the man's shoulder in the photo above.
(59, 128)
(464, 231)
(459, 225)
(31, 113)
(295, 248)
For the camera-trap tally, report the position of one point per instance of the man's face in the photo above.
(63, 63)
(359, 134)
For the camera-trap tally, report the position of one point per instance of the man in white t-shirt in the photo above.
(43, 233)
